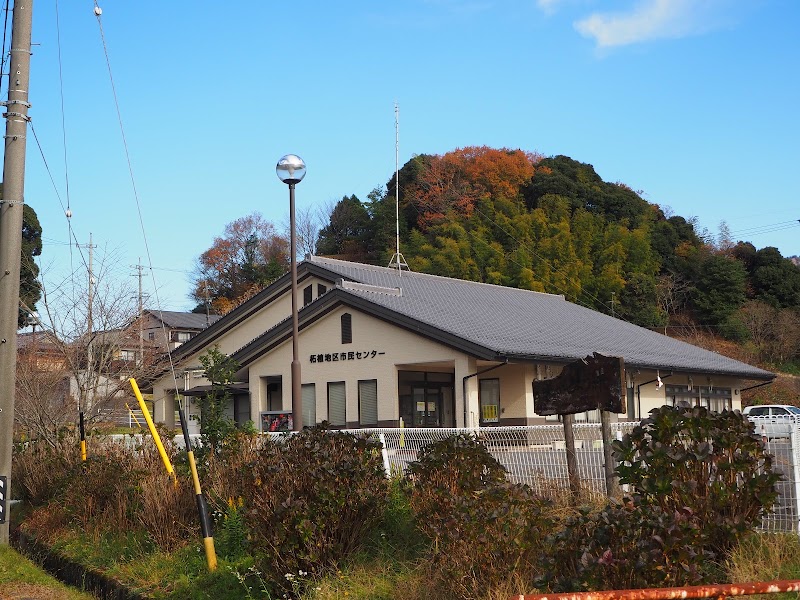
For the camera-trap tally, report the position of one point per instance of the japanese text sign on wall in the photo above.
(342, 356)
(593, 382)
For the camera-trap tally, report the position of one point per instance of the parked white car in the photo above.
(773, 420)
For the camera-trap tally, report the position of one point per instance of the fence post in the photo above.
(572, 460)
(386, 466)
(612, 487)
(794, 438)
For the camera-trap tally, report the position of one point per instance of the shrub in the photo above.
(312, 499)
(444, 472)
(625, 547)
(164, 510)
(42, 470)
(710, 463)
(483, 528)
(100, 496)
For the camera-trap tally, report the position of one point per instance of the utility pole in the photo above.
(89, 377)
(139, 268)
(13, 201)
(91, 289)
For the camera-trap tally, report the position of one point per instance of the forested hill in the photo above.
(552, 224)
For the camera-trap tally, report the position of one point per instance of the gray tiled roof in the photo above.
(184, 320)
(521, 324)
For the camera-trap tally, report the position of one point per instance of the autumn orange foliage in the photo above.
(455, 181)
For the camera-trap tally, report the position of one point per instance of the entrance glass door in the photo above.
(426, 399)
(427, 403)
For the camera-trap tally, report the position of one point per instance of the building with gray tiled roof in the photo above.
(378, 345)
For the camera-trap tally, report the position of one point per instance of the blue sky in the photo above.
(695, 103)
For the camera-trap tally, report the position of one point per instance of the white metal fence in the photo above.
(536, 455)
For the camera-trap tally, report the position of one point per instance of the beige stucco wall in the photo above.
(231, 341)
(393, 346)
(653, 397)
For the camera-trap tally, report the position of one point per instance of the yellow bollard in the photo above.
(153, 431)
(139, 425)
(83, 438)
(202, 507)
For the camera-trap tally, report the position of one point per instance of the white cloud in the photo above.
(649, 20)
(548, 6)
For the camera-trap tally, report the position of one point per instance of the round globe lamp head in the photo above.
(291, 169)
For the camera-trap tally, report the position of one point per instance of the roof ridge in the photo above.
(323, 260)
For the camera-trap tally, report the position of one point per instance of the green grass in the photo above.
(183, 574)
(19, 577)
(386, 569)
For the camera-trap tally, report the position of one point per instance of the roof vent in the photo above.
(363, 287)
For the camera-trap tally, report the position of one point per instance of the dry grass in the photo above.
(765, 557)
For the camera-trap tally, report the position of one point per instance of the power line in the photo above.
(762, 229)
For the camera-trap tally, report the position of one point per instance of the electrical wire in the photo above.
(762, 229)
(60, 200)
(98, 14)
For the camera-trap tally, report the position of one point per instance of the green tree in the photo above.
(775, 279)
(248, 256)
(720, 290)
(29, 289)
(215, 425)
(564, 176)
(346, 233)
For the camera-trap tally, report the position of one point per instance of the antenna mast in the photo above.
(397, 260)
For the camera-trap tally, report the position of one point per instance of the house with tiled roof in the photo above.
(378, 345)
(169, 329)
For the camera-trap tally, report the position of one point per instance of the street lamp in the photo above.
(291, 169)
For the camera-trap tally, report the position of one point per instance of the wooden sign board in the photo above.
(596, 381)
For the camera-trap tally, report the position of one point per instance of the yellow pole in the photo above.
(153, 431)
(202, 507)
(139, 425)
(83, 438)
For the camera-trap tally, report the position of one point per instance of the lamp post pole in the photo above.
(291, 169)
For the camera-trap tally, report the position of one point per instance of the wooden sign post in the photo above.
(595, 382)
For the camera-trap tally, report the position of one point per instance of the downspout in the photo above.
(464, 387)
(639, 392)
(752, 387)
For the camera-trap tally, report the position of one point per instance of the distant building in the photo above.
(169, 329)
(378, 345)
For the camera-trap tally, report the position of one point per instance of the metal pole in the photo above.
(572, 459)
(297, 400)
(612, 485)
(11, 230)
(141, 318)
(202, 506)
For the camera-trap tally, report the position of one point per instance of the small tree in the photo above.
(215, 425)
(711, 463)
(83, 352)
(249, 255)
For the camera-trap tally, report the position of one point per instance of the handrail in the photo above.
(675, 593)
